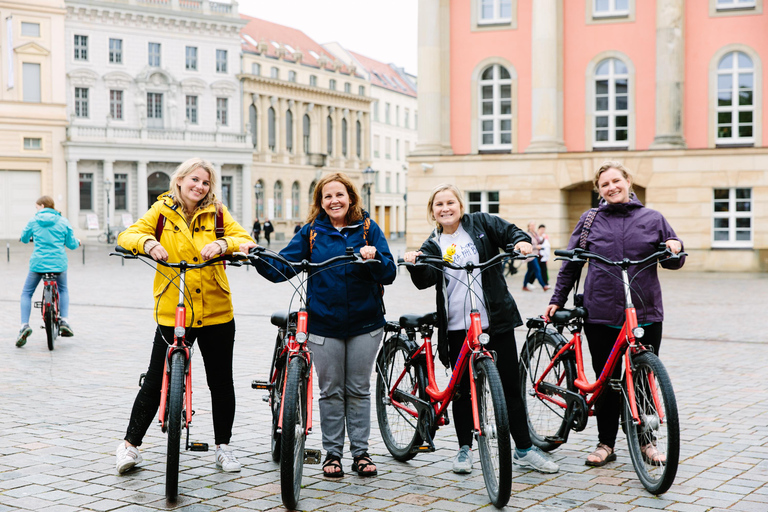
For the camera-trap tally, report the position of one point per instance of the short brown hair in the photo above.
(183, 170)
(611, 164)
(45, 201)
(355, 212)
(441, 188)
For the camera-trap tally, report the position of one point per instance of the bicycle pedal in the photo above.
(265, 398)
(312, 456)
(425, 448)
(261, 384)
(141, 379)
(38, 304)
(554, 439)
(198, 447)
(615, 384)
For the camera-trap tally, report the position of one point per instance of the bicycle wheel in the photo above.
(174, 421)
(494, 439)
(294, 432)
(276, 395)
(659, 425)
(546, 413)
(399, 428)
(50, 317)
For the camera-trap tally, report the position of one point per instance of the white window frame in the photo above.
(33, 144)
(30, 29)
(81, 102)
(115, 51)
(735, 109)
(332, 84)
(222, 106)
(496, 117)
(85, 181)
(227, 187)
(221, 61)
(277, 194)
(612, 11)
(348, 87)
(154, 59)
(81, 47)
(488, 200)
(295, 200)
(376, 146)
(190, 58)
(116, 104)
(612, 113)
(732, 215)
(274, 72)
(361, 90)
(723, 5)
(496, 18)
(155, 114)
(313, 80)
(291, 76)
(121, 189)
(256, 69)
(190, 109)
(31, 75)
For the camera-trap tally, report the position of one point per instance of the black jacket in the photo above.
(490, 234)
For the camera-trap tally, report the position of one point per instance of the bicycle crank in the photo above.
(312, 456)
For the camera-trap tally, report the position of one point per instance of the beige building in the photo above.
(32, 110)
(307, 114)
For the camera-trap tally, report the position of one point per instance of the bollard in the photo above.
(83, 252)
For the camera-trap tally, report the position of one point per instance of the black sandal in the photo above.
(332, 461)
(361, 462)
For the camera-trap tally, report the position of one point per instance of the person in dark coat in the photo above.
(256, 231)
(476, 237)
(268, 229)
(622, 228)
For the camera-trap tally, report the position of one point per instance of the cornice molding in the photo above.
(83, 77)
(272, 86)
(32, 49)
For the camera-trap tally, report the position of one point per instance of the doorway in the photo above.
(157, 183)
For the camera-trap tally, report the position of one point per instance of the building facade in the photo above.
(150, 84)
(32, 110)
(307, 114)
(521, 101)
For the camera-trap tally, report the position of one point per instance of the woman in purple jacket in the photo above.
(622, 228)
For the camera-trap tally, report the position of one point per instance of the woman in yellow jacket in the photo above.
(189, 233)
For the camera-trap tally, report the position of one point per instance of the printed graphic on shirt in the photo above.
(460, 254)
(449, 252)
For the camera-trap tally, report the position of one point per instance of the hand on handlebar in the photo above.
(159, 253)
(550, 311)
(210, 251)
(524, 248)
(368, 252)
(410, 257)
(674, 246)
(247, 246)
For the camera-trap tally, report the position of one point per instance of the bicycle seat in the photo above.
(563, 316)
(282, 317)
(414, 321)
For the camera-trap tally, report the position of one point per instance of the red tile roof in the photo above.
(383, 75)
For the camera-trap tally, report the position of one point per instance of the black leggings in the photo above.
(216, 344)
(506, 361)
(601, 339)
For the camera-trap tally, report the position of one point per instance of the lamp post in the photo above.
(257, 188)
(107, 187)
(368, 178)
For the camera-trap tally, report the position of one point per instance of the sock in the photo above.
(523, 451)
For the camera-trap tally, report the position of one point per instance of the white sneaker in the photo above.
(127, 457)
(536, 460)
(226, 460)
(462, 462)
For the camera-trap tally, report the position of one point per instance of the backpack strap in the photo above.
(586, 227)
(312, 236)
(159, 227)
(219, 220)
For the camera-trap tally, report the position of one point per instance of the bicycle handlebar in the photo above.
(235, 259)
(579, 255)
(426, 259)
(304, 265)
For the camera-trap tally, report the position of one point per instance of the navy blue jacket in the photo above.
(342, 300)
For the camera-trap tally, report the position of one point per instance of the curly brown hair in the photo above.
(355, 212)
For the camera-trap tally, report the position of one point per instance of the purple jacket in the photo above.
(626, 230)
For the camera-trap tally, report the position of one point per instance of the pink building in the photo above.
(522, 100)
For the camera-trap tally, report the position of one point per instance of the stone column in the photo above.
(547, 77)
(217, 188)
(109, 175)
(670, 75)
(141, 189)
(73, 193)
(434, 88)
(246, 217)
(298, 122)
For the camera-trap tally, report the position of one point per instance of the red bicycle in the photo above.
(409, 404)
(176, 392)
(50, 307)
(559, 398)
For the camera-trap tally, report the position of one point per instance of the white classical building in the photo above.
(151, 83)
(393, 134)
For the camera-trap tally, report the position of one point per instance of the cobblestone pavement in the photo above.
(64, 412)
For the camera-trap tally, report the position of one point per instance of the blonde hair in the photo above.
(355, 212)
(182, 171)
(611, 164)
(45, 201)
(441, 188)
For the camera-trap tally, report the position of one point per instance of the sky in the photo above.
(384, 30)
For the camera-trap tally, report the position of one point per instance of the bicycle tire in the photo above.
(494, 440)
(293, 435)
(49, 317)
(399, 430)
(174, 421)
(665, 435)
(276, 396)
(545, 418)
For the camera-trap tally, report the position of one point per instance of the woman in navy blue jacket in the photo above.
(345, 311)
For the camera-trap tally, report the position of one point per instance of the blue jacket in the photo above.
(343, 300)
(51, 233)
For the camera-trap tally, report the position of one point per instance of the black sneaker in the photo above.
(23, 335)
(65, 330)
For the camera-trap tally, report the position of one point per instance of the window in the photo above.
(191, 108)
(735, 99)
(256, 69)
(406, 118)
(376, 144)
(361, 90)
(221, 111)
(347, 87)
(295, 200)
(33, 143)
(329, 131)
(253, 121)
(121, 191)
(611, 104)
(274, 72)
(732, 217)
(386, 113)
(306, 132)
(291, 76)
(735, 4)
(415, 119)
(407, 148)
(397, 149)
(191, 58)
(388, 182)
(344, 137)
(81, 102)
(226, 191)
(388, 148)
(376, 110)
(332, 84)
(289, 131)
(610, 8)
(495, 109)
(313, 80)
(359, 139)
(81, 47)
(487, 202)
(278, 195)
(271, 135)
(495, 11)
(86, 191)
(155, 109)
(221, 61)
(259, 199)
(116, 104)
(30, 29)
(31, 77)
(153, 55)
(397, 115)
(115, 51)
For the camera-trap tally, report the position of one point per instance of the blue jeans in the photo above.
(33, 278)
(534, 272)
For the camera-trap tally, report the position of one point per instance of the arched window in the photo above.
(252, 119)
(735, 99)
(278, 199)
(312, 192)
(289, 131)
(359, 139)
(329, 130)
(611, 104)
(259, 196)
(306, 133)
(271, 128)
(295, 200)
(344, 137)
(495, 108)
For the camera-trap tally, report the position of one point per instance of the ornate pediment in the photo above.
(32, 49)
(82, 77)
(193, 86)
(224, 88)
(118, 80)
(155, 78)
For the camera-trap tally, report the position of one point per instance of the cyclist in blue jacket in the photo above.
(346, 318)
(51, 233)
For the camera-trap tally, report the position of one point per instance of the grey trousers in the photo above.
(344, 369)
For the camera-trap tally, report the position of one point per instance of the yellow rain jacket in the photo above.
(207, 288)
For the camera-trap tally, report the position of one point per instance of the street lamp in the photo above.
(369, 176)
(107, 187)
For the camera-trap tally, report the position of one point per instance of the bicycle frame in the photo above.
(294, 348)
(50, 283)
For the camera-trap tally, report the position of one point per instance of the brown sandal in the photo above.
(333, 463)
(602, 460)
(361, 463)
(653, 456)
